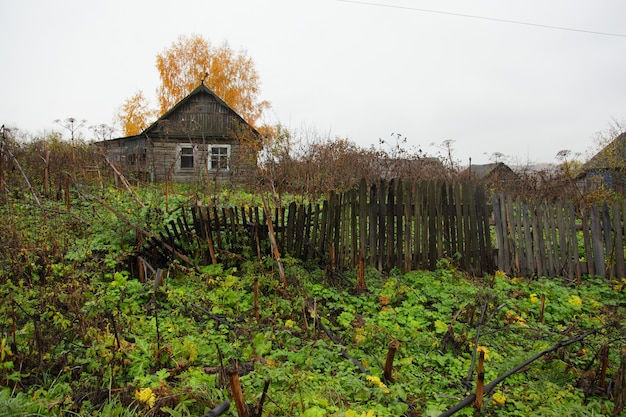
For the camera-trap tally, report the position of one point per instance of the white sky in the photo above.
(340, 68)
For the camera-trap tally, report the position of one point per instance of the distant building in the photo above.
(200, 137)
(495, 173)
(607, 168)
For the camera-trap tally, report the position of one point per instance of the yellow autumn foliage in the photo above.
(231, 75)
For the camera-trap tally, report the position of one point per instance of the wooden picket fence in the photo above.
(554, 239)
(405, 225)
(413, 225)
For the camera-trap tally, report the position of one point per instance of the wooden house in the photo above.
(200, 138)
(496, 175)
(607, 168)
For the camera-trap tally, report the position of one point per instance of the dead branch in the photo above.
(273, 241)
(489, 387)
(393, 347)
(28, 185)
(242, 408)
(125, 182)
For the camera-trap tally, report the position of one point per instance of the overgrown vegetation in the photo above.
(82, 334)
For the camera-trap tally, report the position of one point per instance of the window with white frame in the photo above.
(219, 157)
(187, 155)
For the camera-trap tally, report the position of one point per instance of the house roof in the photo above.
(487, 170)
(611, 157)
(171, 122)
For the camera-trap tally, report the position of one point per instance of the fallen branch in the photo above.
(125, 182)
(213, 317)
(489, 387)
(142, 231)
(274, 242)
(28, 185)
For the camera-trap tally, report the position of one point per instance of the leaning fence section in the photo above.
(554, 239)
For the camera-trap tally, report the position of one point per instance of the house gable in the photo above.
(611, 158)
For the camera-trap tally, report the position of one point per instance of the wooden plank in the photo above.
(572, 247)
(438, 219)
(574, 243)
(481, 237)
(617, 254)
(408, 228)
(335, 222)
(445, 221)
(538, 239)
(530, 249)
(289, 236)
(373, 228)
(299, 232)
(342, 247)
(597, 242)
(231, 213)
(511, 238)
(324, 238)
(499, 214)
(586, 229)
(382, 225)
(417, 232)
(484, 237)
(519, 241)
(459, 225)
(422, 219)
(608, 241)
(217, 227)
(185, 236)
(315, 230)
(552, 238)
(432, 226)
(389, 226)
(561, 227)
(452, 225)
(399, 214)
(354, 235)
(362, 216)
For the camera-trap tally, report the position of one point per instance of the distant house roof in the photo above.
(611, 158)
(488, 171)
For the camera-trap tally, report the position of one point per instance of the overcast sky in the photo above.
(430, 70)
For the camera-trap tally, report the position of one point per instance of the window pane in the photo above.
(219, 158)
(186, 157)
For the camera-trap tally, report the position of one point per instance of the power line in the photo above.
(493, 19)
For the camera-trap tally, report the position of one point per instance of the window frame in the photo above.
(183, 156)
(220, 158)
